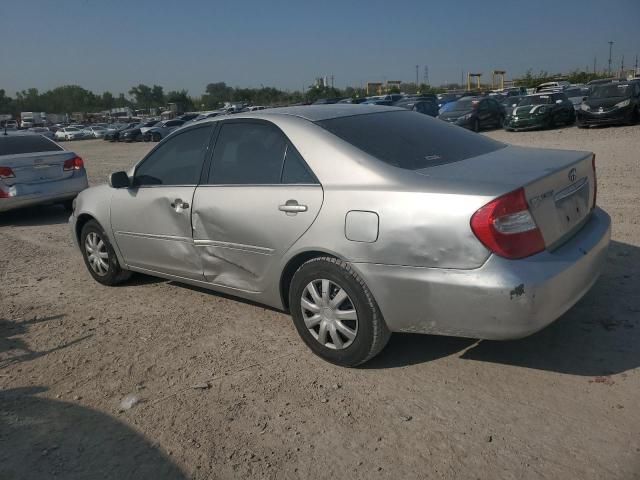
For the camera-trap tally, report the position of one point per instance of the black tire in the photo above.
(634, 117)
(572, 119)
(475, 125)
(114, 273)
(146, 137)
(155, 137)
(372, 332)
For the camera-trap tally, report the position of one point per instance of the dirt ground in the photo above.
(561, 404)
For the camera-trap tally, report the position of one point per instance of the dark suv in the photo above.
(611, 103)
(475, 113)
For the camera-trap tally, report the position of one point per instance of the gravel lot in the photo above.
(560, 404)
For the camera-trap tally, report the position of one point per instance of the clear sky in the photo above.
(115, 44)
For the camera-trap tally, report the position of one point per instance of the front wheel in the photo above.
(99, 256)
(335, 313)
(475, 125)
(155, 137)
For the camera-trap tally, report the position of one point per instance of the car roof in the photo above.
(313, 113)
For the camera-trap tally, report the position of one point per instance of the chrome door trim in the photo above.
(234, 246)
(155, 237)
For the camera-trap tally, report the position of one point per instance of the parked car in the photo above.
(44, 131)
(392, 221)
(428, 106)
(95, 131)
(576, 96)
(255, 108)
(161, 130)
(354, 101)
(36, 170)
(475, 113)
(509, 103)
(553, 86)
(541, 110)
(114, 135)
(445, 98)
(610, 104)
(378, 101)
(327, 101)
(70, 133)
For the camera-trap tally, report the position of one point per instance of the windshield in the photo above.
(536, 100)
(150, 124)
(409, 140)
(465, 104)
(612, 90)
(511, 101)
(16, 145)
(71, 129)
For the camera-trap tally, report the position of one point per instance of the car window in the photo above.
(177, 161)
(295, 169)
(409, 140)
(173, 123)
(15, 145)
(248, 153)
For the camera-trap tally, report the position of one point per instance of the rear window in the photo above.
(15, 145)
(409, 140)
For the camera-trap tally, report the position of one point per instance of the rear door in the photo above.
(259, 198)
(152, 220)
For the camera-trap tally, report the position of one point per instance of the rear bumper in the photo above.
(46, 192)
(503, 299)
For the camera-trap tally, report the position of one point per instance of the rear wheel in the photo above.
(335, 313)
(475, 125)
(99, 256)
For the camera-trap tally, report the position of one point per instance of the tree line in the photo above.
(73, 98)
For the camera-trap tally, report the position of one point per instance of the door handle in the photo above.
(178, 204)
(292, 207)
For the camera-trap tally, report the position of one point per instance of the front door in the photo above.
(152, 220)
(259, 198)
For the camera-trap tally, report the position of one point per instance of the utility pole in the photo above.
(331, 81)
(610, 45)
(622, 67)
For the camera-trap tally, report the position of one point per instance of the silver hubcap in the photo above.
(97, 254)
(329, 314)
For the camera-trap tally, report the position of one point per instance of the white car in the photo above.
(70, 133)
(95, 131)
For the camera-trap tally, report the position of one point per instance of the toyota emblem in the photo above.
(572, 175)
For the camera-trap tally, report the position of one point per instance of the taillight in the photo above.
(505, 226)
(6, 172)
(75, 163)
(595, 180)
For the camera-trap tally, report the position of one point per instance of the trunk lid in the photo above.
(37, 167)
(559, 185)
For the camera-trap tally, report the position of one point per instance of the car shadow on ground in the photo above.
(46, 438)
(32, 216)
(598, 336)
(14, 350)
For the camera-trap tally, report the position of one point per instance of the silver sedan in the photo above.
(360, 222)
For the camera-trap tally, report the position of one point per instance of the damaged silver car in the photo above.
(359, 222)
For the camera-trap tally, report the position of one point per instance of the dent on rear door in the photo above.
(241, 235)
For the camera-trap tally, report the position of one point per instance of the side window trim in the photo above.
(159, 145)
(305, 165)
(214, 143)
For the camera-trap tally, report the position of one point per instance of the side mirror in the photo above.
(119, 180)
(558, 101)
